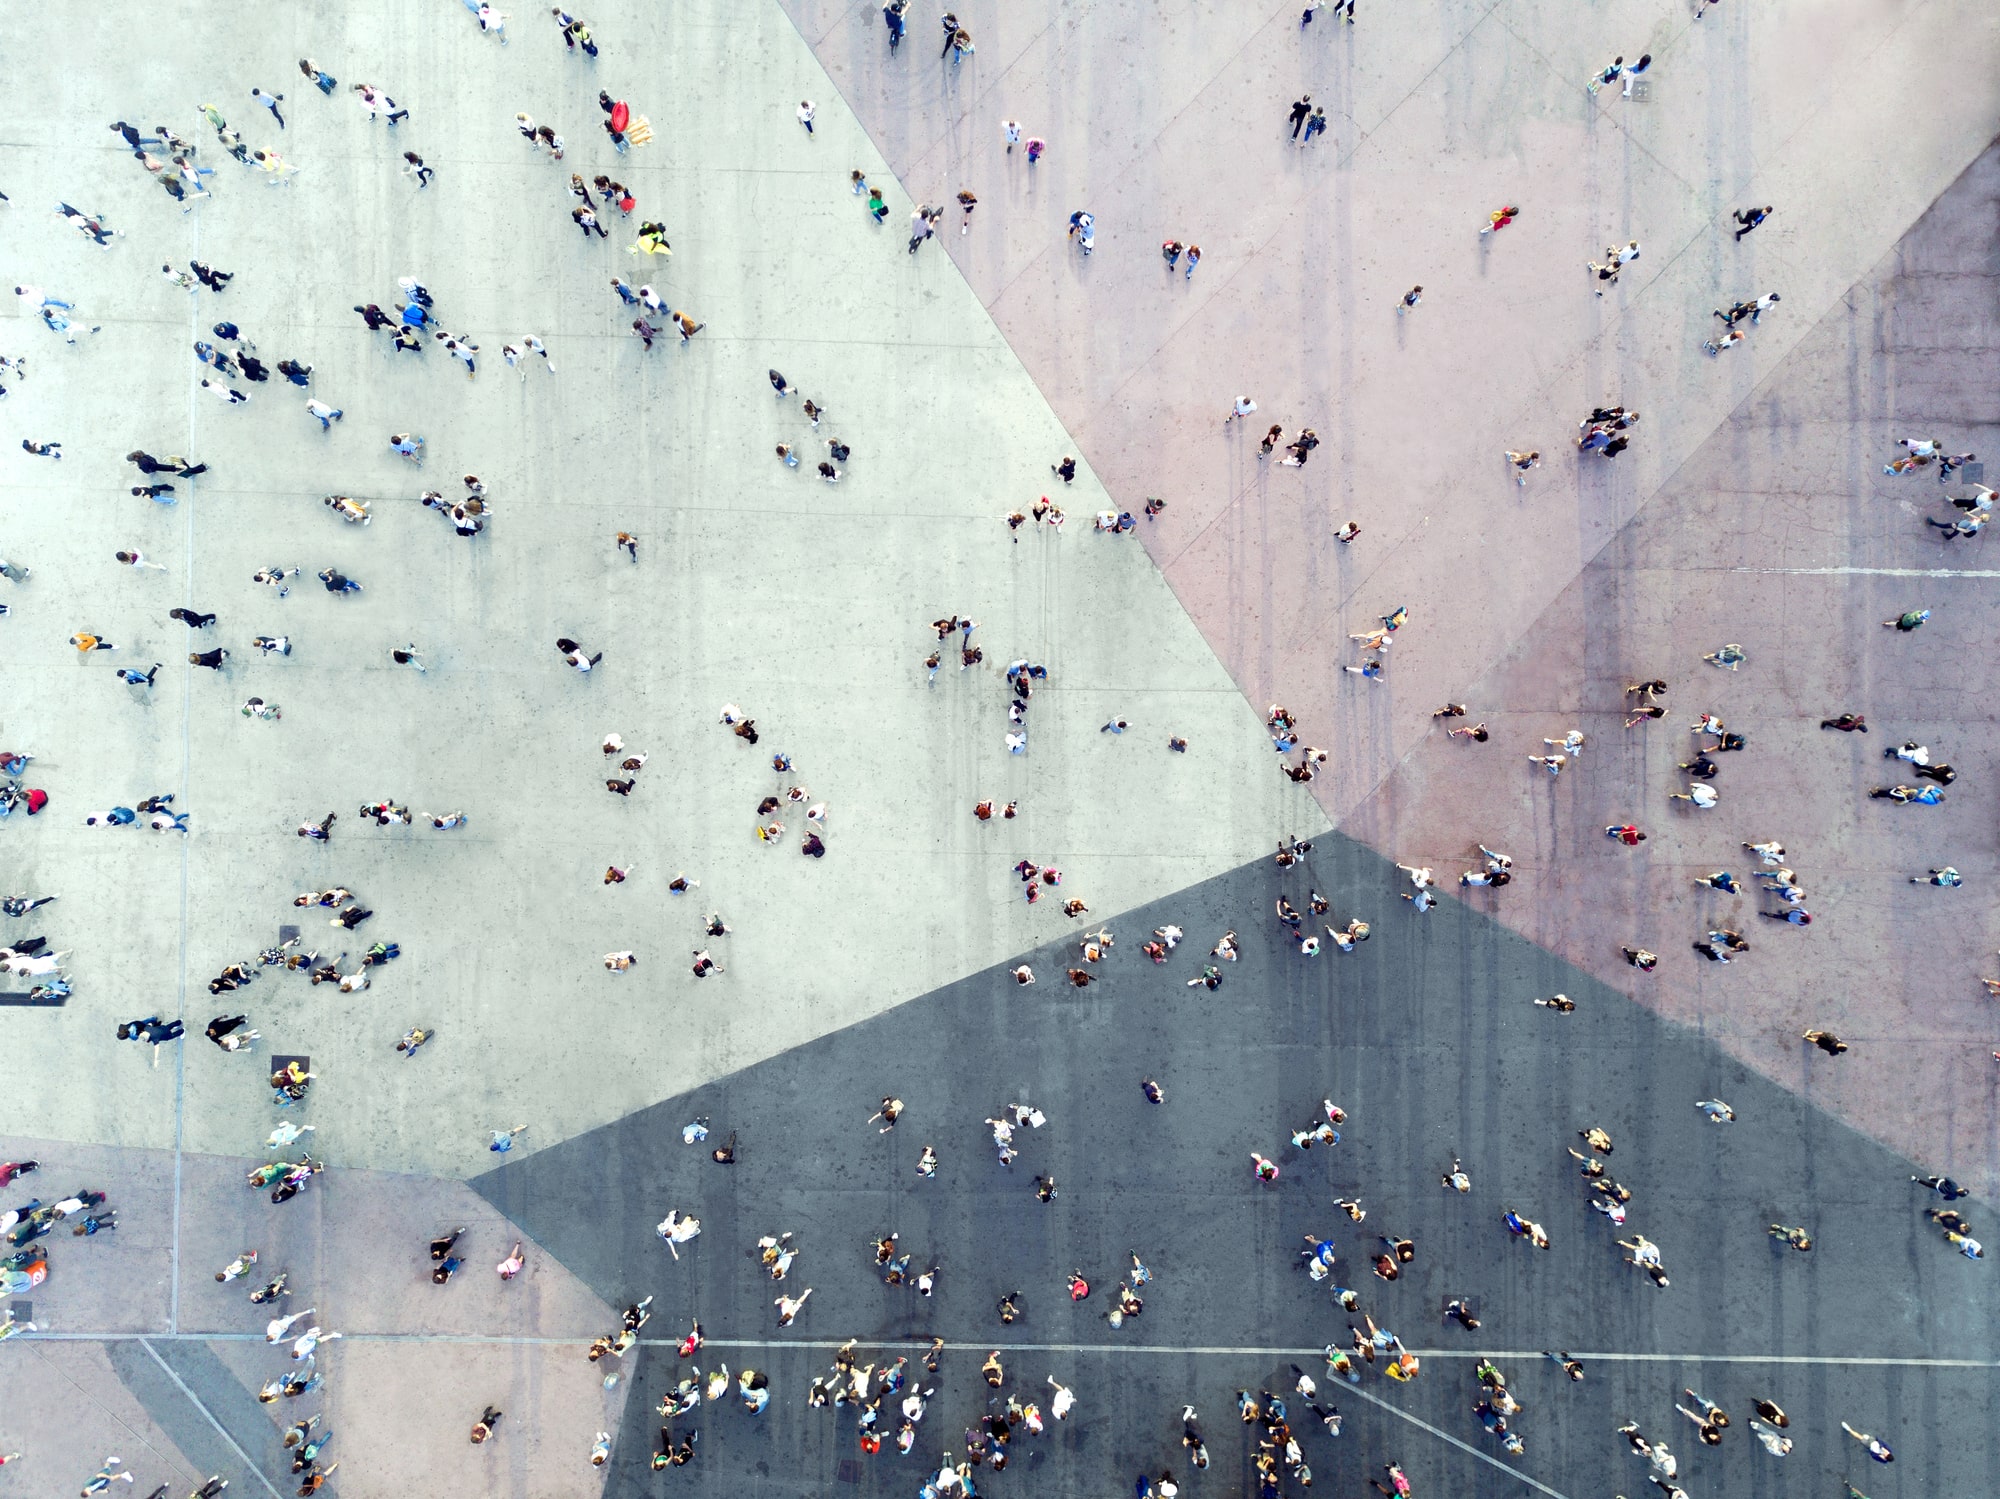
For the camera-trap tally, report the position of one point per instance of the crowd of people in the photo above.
(888, 1398)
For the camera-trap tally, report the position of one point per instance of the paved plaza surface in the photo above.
(1750, 508)
(1428, 1038)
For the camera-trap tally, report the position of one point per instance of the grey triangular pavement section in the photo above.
(1427, 1037)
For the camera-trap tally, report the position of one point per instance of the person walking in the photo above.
(1750, 218)
(104, 1477)
(573, 655)
(1877, 1450)
(148, 464)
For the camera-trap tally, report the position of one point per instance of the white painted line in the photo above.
(220, 1430)
(1871, 572)
(1444, 1436)
(1464, 1350)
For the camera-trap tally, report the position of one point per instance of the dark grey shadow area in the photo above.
(188, 1390)
(1427, 1037)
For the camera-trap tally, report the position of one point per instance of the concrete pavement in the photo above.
(756, 584)
(1781, 533)
(1428, 1038)
(957, 386)
(1434, 120)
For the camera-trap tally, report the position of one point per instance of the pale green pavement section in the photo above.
(758, 585)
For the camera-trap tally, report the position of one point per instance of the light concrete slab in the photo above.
(757, 584)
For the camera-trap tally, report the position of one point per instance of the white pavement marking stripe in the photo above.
(1444, 1436)
(1871, 572)
(221, 1431)
(187, 774)
(1171, 1350)
(1166, 1349)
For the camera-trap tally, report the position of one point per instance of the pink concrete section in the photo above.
(66, 1411)
(414, 1356)
(404, 1410)
(1792, 482)
(1168, 120)
(354, 1243)
(363, 1238)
